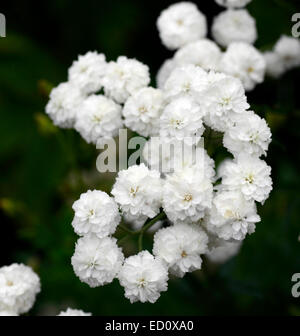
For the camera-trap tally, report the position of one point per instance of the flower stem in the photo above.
(147, 226)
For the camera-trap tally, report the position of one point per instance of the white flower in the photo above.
(98, 117)
(143, 278)
(231, 216)
(182, 120)
(224, 101)
(124, 77)
(275, 64)
(97, 261)
(8, 313)
(142, 111)
(95, 212)
(138, 191)
(74, 312)
(243, 61)
(250, 134)
(234, 26)
(172, 155)
(203, 53)
(87, 72)
(164, 72)
(186, 195)
(189, 80)
(180, 24)
(62, 105)
(19, 286)
(233, 3)
(288, 49)
(223, 251)
(249, 175)
(180, 246)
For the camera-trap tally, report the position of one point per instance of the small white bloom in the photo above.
(188, 80)
(275, 64)
(143, 278)
(182, 120)
(233, 3)
(95, 212)
(180, 24)
(142, 111)
(74, 312)
(87, 72)
(224, 101)
(98, 117)
(62, 105)
(250, 134)
(231, 216)
(180, 246)
(97, 261)
(203, 53)
(224, 251)
(250, 176)
(164, 72)
(234, 26)
(19, 286)
(167, 156)
(245, 62)
(138, 191)
(8, 313)
(124, 77)
(288, 49)
(186, 195)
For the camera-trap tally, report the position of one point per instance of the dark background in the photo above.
(44, 169)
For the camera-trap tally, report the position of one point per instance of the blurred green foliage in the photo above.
(44, 169)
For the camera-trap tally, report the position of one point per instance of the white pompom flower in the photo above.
(250, 134)
(288, 49)
(87, 72)
(180, 247)
(143, 277)
(187, 80)
(234, 26)
(233, 3)
(138, 191)
(74, 312)
(63, 102)
(164, 72)
(249, 175)
(19, 285)
(95, 212)
(124, 77)
(182, 119)
(97, 261)
(180, 24)
(224, 101)
(187, 194)
(223, 251)
(142, 111)
(274, 64)
(245, 62)
(98, 117)
(203, 53)
(231, 216)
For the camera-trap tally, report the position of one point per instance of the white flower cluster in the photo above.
(19, 286)
(201, 91)
(234, 29)
(79, 103)
(233, 3)
(73, 312)
(284, 56)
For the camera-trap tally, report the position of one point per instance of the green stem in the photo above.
(147, 226)
(124, 228)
